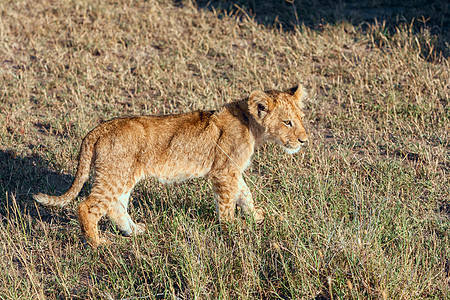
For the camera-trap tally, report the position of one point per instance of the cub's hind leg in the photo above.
(118, 214)
(101, 203)
(90, 211)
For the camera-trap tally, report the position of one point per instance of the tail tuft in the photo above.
(51, 200)
(41, 198)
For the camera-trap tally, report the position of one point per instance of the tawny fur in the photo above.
(217, 144)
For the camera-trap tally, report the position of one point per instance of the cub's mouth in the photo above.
(289, 146)
(291, 149)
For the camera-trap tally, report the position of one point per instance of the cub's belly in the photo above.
(178, 172)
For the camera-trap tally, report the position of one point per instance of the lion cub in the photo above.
(216, 144)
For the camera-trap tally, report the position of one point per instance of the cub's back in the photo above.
(159, 144)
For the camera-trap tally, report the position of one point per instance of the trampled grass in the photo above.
(362, 212)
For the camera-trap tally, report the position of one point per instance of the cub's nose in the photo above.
(303, 140)
(302, 137)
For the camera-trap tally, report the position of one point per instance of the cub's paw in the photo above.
(103, 241)
(140, 228)
(95, 243)
(258, 215)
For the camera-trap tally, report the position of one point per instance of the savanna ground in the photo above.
(362, 212)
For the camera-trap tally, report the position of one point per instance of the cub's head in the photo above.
(280, 114)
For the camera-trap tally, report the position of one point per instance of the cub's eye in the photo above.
(288, 123)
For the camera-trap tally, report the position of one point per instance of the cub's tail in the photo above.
(84, 166)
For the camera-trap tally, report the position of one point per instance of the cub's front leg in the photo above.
(244, 200)
(230, 189)
(225, 187)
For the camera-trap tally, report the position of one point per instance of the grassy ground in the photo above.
(363, 212)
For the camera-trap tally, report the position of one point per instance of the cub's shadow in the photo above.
(21, 177)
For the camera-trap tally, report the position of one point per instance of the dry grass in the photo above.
(363, 212)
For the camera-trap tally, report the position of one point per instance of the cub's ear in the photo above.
(299, 94)
(259, 104)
